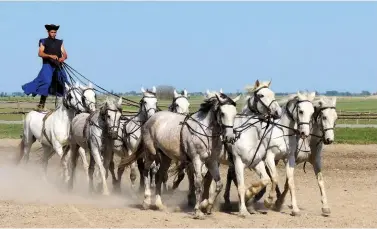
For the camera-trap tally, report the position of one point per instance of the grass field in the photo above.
(342, 135)
(344, 104)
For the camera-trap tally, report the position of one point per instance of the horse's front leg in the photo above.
(257, 187)
(197, 164)
(84, 162)
(213, 169)
(97, 158)
(290, 166)
(317, 165)
(270, 164)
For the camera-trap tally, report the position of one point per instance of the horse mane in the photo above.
(212, 103)
(111, 103)
(150, 92)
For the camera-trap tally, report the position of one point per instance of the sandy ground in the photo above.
(350, 174)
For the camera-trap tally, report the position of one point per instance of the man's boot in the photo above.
(41, 105)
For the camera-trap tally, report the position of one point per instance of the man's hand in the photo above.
(54, 57)
(61, 59)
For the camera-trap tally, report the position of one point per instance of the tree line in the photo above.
(167, 92)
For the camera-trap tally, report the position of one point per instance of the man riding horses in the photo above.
(51, 78)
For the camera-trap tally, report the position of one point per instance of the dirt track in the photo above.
(350, 174)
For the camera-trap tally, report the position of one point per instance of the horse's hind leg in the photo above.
(84, 162)
(47, 154)
(163, 169)
(140, 166)
(264, 180)
(73, 158)
(27, 141)
(90, 173)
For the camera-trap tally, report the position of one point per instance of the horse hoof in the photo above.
(268, 203)
(295, 213)
(161, 207)
(326, 211)
(204, 204)
(198, 215)
(244, 213)
(146, 205)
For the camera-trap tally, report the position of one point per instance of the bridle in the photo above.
(174, 105)
(258, 98)
(84, 100)
(143, 103)
(67, 99)
(290, 113)
(115, 124)
(318, 117)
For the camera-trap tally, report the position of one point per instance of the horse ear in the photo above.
(269, 83)
(120, 102)
(221, 90)
(311, 96)
(221, 100)
(142, 89)
(90, 85)
(334, 101)
(66, 86)
(237, 98)
(208, 93)
(257, 83)
(154, 89)
(77, 84)
(175, 94)
(185, 93)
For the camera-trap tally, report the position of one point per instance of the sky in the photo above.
(123, 46)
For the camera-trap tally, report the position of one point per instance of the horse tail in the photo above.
(126, 161)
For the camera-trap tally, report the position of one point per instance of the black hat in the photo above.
(52, 27)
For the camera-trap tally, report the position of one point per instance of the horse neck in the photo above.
(141, 116)
(285, 120)
(207, 119)
(65, 114)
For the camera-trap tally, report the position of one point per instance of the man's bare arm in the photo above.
(64, 53)
(41, 52)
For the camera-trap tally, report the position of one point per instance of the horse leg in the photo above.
(289, 184)
(140, 166)
(317, 165)
(272, 173)
(84, 162)
(164, 167)
(96, 155)
(73, 157)
(147, 184)
(197, 164)
(27, 141)
(206, 192)
(229, 177)
(264, 180)
(91, 172)
(154, 169)
(213, 169)
(116, 187)
(47, 154)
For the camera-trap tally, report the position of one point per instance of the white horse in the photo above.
(170, 136)
(259, 104)
(95, 132)
(322, 133)
(282, 143)
(180, 105)
(129, 134)
(53, 129)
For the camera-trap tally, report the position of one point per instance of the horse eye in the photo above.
(301, 112)
(260, 95)
(324, 117)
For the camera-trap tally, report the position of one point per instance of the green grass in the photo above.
(356, 135)
(348, 104)
(342, 135)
